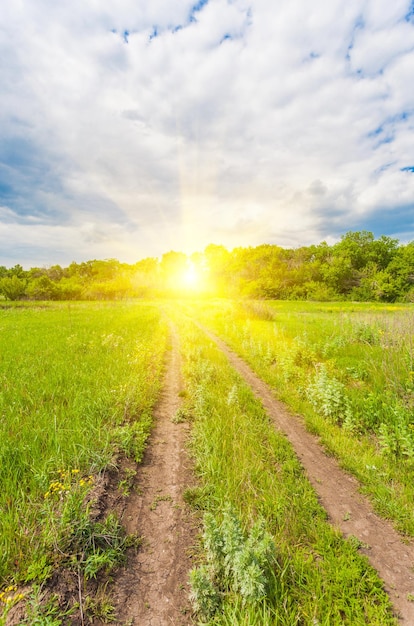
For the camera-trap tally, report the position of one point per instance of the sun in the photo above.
(191, 277)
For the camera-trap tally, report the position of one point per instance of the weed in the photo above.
(196, 497)
(125, 485)
(100, 606)
(396, 437)
(327, 394)
(357, 543)
(159, 499)
(183, 414)
(130, 439)
(45, 611)
(237, 562)
(91, 546)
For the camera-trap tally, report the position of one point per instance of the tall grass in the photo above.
(74, 380)
(261, 509)
(348, 369)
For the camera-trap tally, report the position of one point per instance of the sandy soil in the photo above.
(338, 493)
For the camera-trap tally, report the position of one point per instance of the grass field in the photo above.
(269, 555)
(78, 385)
(349, 370)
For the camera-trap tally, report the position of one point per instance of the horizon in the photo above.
(195, 253)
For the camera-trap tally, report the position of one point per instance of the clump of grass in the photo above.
(259, 310)
(327, 395)
(45, 611)
(183, 414)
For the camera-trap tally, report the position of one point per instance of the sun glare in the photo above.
(191, 277)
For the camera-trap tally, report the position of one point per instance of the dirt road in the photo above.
(338, 493)
(152, 589)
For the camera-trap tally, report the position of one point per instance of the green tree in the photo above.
(43, 288)
(12, 287)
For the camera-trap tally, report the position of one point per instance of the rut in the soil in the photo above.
(152, 590)
(338, 493)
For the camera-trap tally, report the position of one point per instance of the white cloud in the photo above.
(249, 122)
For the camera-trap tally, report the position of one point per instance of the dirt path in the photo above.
(338, 494)
(152, 589)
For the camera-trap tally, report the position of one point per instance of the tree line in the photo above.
(358, 267)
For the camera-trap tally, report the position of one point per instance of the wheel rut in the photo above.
(338, 493)
(152, 589)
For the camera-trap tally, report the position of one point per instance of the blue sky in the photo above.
(130, 128)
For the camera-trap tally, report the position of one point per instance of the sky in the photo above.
(129, 128)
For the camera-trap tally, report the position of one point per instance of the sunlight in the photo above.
(191, 277)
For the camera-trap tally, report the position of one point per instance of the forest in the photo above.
(359, 267)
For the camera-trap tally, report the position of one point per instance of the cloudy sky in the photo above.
(132, 127)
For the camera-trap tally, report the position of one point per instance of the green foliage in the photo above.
(43, 288)
(131, 438)
(237, 563)
(12, 287)
(367, 333)
(100, 607)
(204, 596)
(358, 267)
(396, 436)
(183, 414)
(44, 611)
(327, 394)
(348, 368)
(247, 471)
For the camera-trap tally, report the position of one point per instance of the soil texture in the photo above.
(152, 590)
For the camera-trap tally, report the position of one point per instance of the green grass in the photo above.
(348, 369)
(78, 384)
(251, 484)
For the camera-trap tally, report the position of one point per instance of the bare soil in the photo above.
(338, 492)
(152, 589)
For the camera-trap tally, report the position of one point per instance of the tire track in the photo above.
(152, 590)
(338, 493)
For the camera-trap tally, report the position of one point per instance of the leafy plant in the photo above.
(43, 610)
(91, 546)
(327, 394)
(131, 439)
(396, 437)
(237, 562)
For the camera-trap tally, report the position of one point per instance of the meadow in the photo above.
(348, 369)
(78, 385)
(268, 555)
